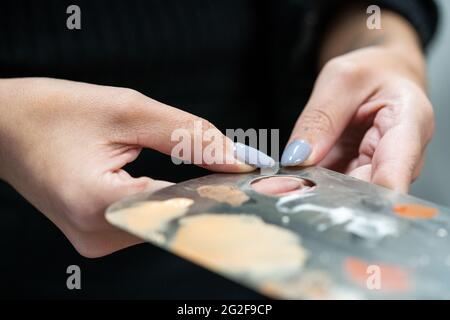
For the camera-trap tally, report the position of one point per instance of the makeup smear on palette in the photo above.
(299, 234)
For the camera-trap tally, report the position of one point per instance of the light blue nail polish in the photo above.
(295, 153)
(252, 156)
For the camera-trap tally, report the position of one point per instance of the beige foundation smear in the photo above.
(239, 243)
(223, 193)
(150, 216)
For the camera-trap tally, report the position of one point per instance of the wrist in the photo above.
(409, 63)
(397, 38)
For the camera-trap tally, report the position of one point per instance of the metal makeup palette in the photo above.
(340, 239)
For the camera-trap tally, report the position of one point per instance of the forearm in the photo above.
(349, 32)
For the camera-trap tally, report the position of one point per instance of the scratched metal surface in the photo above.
(421, 247)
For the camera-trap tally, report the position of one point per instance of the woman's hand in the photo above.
(368, 115)
(63, 145)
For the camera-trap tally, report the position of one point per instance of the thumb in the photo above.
(185, 137)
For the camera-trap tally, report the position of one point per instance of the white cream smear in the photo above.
(369, 226)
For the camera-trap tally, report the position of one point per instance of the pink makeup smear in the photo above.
(282, 186)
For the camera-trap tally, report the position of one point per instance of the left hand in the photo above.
(369, 117)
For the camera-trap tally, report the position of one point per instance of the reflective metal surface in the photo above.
(345, 225)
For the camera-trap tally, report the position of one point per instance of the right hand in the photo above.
(63, 145)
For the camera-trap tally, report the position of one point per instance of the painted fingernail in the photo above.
(252, 156)
(295, 153)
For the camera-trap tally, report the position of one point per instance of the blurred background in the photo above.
(433, 182)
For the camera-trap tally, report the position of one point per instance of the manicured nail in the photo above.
(295, 153)
(252, 156)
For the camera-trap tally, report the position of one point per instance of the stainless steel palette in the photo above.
(358, 246)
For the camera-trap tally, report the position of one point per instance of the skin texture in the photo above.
(63, 144)
(368, 115)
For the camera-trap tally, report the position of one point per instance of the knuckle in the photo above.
(206, 124)
(127, 109)
(318, 120)
(192, 123)
(128, 98)
(129, 94)
(421, 107)
(345, 69)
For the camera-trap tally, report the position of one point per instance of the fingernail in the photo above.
(295, 153)
(252, 156)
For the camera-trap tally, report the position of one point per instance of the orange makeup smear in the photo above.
(415, 211)
(392, 278)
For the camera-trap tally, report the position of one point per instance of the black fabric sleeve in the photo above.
(422, 14)
(319, 14)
